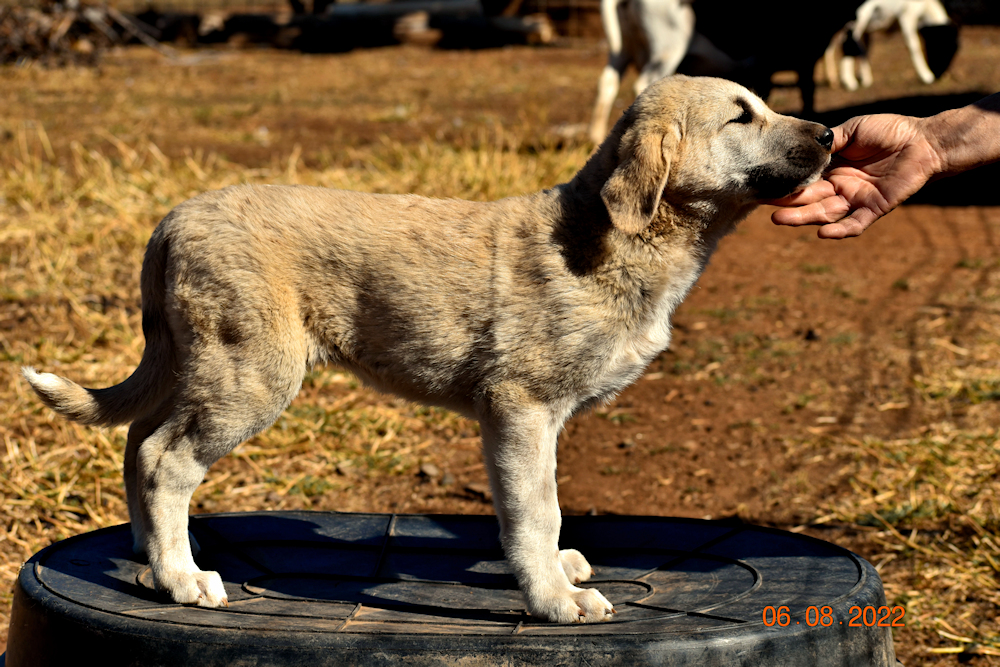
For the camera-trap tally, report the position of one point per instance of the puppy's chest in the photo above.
(637, 346)
(651, 337)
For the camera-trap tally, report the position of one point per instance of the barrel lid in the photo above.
(306, 585)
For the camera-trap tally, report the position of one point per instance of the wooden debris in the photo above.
(67, 32)
(63, 33)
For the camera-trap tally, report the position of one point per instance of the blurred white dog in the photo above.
(916, 18)
(654, 36)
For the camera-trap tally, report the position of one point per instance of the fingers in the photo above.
(828, 213)
(853, 225)
(826, 210)
(832, 213)
(808, 195)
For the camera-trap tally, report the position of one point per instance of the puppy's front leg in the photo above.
(520, 450)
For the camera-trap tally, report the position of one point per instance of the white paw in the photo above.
(575, 566)
(576, 605)
(592, 605)
(204, 589)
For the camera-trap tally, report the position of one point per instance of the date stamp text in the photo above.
(868, 616)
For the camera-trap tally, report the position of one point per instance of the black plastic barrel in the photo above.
(313, 589)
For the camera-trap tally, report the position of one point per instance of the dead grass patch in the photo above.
(932, 505)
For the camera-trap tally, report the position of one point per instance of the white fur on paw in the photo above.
(213, 593)
(576, 605)
(592, 605)
(204, 589)
(575, 566)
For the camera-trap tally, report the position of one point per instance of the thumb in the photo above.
(842, 135)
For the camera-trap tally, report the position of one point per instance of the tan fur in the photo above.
(517, 312)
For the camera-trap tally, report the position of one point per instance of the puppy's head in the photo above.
(708, 143)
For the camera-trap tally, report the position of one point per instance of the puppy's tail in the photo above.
(147, 385)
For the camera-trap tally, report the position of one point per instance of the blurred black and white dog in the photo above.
(743, 41)
(920, 21)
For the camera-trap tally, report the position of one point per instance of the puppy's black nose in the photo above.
(825, 138)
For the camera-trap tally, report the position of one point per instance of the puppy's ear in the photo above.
(632, 192)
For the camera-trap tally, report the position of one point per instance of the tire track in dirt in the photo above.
(966, 313)
(911, 414)
(947, 260)
(872, 322)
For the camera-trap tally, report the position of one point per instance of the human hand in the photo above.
(879, 161)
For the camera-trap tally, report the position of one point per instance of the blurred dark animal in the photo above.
(317, 6)
(918, 20)
(736, 39)
(179, 28)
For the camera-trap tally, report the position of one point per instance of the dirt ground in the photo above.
(789, 355)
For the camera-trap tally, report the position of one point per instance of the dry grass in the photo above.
(95, 159)
(931, 504)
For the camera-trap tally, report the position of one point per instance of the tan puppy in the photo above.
(518, 313)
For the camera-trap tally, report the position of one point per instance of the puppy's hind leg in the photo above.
(222, 401)
(138, 432)
(519, 445)
(168, 470)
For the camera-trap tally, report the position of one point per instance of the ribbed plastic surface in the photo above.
(316, 589)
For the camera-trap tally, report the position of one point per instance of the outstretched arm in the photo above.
(881, 160)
